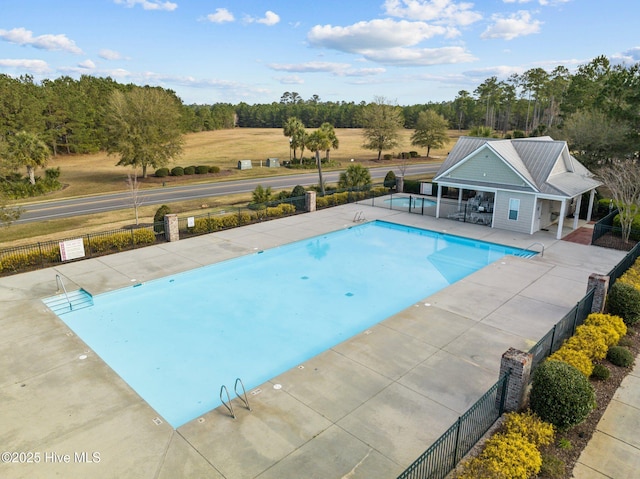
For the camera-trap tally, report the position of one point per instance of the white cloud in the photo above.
(438, 11)
(544, 3)
(109, 54)
(221, 15)
(22, 36)
(374, 34)
(270, 18)
(337, 69)
(419, 56)
(515, 25)
(149, 4)
(87, 64)
(32, 66)
(291, 80)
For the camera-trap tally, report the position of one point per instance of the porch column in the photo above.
(576, 213)
(438, 202)
(590, 209)
(563, 212)
(459, 199)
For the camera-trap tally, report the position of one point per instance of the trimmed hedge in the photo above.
(190, 170)
(561, 395)
(162, 172)
(620, 356)
(177, 171)
(624, 300)
(202, 170)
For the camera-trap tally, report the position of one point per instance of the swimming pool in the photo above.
(413, 201)
(177, 339)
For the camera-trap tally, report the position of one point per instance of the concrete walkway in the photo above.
(366, 408)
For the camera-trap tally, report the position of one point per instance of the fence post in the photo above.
(553, 339)
(171, 227)
(600, 283)
(516, 364)
(310, 201)
(40, 254)
(133, 239)
(455, 452)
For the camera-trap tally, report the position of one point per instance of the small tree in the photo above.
(319, 141)
(294, 130)
(381, 122)
(622, 178)
(158, 218)
(355, 176)
(390, 180)
(26, 149)
(261, 195)
(431, 131)
(134, 195)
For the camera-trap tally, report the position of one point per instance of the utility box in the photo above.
(273, 163)
(244, 165)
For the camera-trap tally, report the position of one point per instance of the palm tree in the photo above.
(318, 141)
(27, 149)
(294, 130)
(355, 176)
(331, 134)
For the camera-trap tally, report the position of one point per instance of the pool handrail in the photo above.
(243, 398)
(59, 283)
(536, 243)
(227, 404)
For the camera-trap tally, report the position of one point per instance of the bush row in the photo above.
(514, 451)
(345, 197)
(15, 261)
(233, 220)
(189, 170)
(591, 342)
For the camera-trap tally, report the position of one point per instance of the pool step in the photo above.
(73, 300)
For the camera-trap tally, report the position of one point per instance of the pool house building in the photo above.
(522, 185)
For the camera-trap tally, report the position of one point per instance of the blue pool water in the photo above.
(405, 201)
(176, 340)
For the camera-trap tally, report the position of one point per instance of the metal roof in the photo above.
(543, 162)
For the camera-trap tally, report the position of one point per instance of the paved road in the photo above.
(100, 203)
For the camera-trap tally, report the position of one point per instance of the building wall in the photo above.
(525, 213)
(485, 165)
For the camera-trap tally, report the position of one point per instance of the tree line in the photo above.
(596, 109)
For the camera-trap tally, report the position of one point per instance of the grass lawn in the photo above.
(96, 173)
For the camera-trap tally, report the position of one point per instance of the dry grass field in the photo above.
(96, 173)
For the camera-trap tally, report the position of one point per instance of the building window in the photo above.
(514, 208)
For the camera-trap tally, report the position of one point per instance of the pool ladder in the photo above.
(534, 244)
(243, 397)
(359, 217)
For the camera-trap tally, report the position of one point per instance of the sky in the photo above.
(406, 51)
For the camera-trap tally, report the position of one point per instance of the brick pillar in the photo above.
(518, 363)
(310, 201)
(601, 284)
(399, 184)
(171, 232)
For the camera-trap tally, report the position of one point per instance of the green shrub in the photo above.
(214, 169)
(202, 170)
(635, 226)
(158, 218)
(390, 180)
(298, 197)
(387, 157)
(552, 467)
(190, 170)
(413, 154)
(162, 172)
(600, 372)
(632, 275)
(518, 134)
(412, 186)
(561, 395)
(624, 300)
(620, 356)
(177, 171)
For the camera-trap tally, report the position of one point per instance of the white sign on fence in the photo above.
(191, 222)
(71, 249)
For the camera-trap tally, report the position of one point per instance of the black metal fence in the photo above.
(444, 454)
(44, 254)
(609, 236)
(563, 329)
(624, 264)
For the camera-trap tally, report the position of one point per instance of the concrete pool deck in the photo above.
(366, 408)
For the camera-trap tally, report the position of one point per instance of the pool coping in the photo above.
(367, 407)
